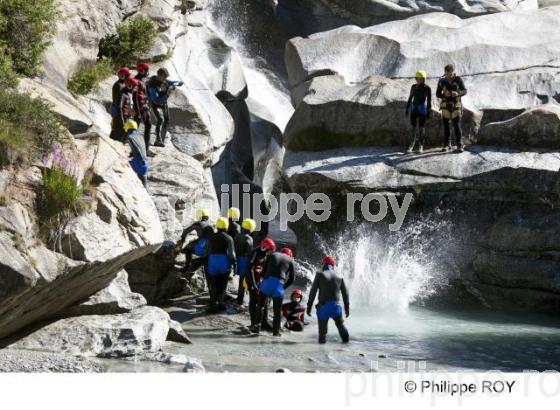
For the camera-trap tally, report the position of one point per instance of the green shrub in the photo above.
(8, 77)
(27, 125)
(87, 80)
(26, 30)
(133, 39)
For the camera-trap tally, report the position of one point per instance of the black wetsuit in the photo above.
(234, 228)
(203, 230)
(219, 245)
(279, 268)
(256, 265)
(330, 286)
(117, 131)
(419, 105)
(143, 107)
(243, 243)
(451, 107)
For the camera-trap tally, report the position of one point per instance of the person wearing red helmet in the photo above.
(142, 114)
(117, 133)
(125, 107)
(330, 285)
(278, 275)
(253, 281)
(294, 312)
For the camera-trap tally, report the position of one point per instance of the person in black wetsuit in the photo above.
(418, 106)
(233, 216)
(450, 89)
(254, 279)
(278, 275)
(219, 256)
(196, 247)
(243, 248)
(117, 131)
(294, 312)
(330, 285)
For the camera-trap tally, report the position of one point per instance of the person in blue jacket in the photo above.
(203, 231)
(219, 255)
(330, 285)
(418, 106)
(243, 243)
(139, 160)
(159, 89)
(278, 275)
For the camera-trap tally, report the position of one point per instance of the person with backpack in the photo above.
(125, 108)
(450, 89)
(159, 90)
(142, 113)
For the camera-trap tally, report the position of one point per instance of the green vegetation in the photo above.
(26, 30)
(87, 80)
(28, 128)
(133, 39)
(60, 192)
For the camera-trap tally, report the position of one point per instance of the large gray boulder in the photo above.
(115, 298)
(127, 334)
(303, 17)
(121, 225)
(476, 46)
(369, 113)
(535, 128)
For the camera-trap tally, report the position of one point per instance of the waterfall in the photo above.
(390, 271)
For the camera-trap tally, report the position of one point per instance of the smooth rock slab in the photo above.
(142, 330)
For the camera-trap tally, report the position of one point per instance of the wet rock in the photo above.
(176, 333)
(282, 370)
(194, 366)
(127, 334)
(24, 361)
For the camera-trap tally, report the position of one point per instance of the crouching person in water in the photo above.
(294, 312)
(278, 274)
(219, 255)
(418, 107)
(330, 286)
(203, 231)
(243, 248)
(254, 279)
(139, 160)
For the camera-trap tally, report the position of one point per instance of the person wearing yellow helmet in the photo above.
(418, 107)
(234, 214)
(219, 255)
(196, 247)
(139, 158)
(243, 242)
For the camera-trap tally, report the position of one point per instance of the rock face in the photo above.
(127, 334)
(115, 298)
(500, 202)
(22, 361)
(369, 113)
(304, 17)
(120, 226)
(535, 128)
(398, 49)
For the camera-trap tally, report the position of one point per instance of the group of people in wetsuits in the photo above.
(136, 100)
(450, 89)
(264, 273)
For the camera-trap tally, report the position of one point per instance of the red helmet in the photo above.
(287, 251)
(131, 82)
(329, 260)
(297, 292)
(268, 244)
(140, 67)
(124, 71)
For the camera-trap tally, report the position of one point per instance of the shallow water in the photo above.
(415, 340)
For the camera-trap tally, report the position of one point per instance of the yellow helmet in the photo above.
(130, 125)
(202, 213)
(421, 74)
(222, 223)
(234, 213)
(249, 225)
